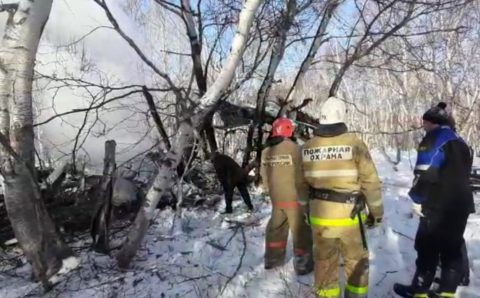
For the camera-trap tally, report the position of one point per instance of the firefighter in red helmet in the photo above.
(282, 176)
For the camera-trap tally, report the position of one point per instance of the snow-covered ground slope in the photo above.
(208, 258)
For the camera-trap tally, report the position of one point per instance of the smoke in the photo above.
(78, 42)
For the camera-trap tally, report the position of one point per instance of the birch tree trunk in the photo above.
(164, 179)
(200, 76)
(31, 224)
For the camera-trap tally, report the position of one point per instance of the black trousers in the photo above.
(440, 239)
(228, 189)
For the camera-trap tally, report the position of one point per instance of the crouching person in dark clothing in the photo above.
(231, 175)
(443, 199)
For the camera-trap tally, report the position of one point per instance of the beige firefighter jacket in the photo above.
(341, 163)
(282, 176)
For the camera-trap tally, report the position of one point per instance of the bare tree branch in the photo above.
(103, 103)
(359, 52)
(328, 11)
(137, 49)
(278, 50)
(156, 117)
(84, 36)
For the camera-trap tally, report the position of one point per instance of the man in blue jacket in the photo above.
(442, 197)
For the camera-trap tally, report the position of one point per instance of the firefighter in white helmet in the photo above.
(343, 184)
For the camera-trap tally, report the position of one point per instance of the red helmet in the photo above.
(282, 127)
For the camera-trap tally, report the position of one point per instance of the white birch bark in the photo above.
(32, 226)
(238, 47)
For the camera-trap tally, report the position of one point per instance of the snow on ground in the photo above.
(208, 258)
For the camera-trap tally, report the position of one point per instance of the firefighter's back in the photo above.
(280, 163)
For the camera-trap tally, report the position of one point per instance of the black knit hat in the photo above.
(437, 114)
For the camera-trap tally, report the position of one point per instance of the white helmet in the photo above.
(332, 111)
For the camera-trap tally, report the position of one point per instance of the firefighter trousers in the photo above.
(281, 222)
(327, 253)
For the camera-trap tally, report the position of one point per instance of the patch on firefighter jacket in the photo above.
(278, 160)
(328, 153)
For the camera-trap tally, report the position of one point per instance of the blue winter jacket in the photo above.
(442, 172)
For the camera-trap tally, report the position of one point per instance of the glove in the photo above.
(417, 209)
(372, 221)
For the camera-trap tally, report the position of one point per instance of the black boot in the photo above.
(303, 264)
(406, 291)
(422, 281)
(227, 211)
(465, 280)
(449, 281)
